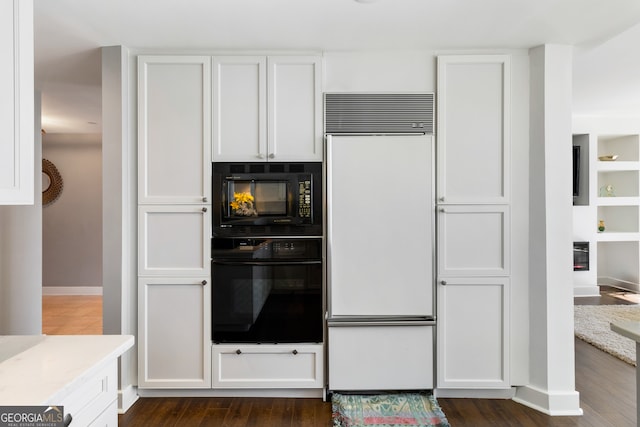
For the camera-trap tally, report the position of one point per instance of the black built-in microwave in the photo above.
(267, 199)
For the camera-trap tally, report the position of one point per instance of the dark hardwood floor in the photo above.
(606, 385)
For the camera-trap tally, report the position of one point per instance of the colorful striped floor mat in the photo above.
(387, 410)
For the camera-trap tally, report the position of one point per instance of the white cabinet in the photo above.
(473, 333)
(95, 401)
(174, 333)
(473, 221)
(174, 240)
(268, 366)
(174, 221)
(16, 103)
(473, 129)
(473, 240)
(360, 357)
(174, 129)
(267, 108)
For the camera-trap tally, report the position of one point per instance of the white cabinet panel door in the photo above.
(380, 357)
(268, 366)
(174, 129)
(295, 108)
(174, 240)
(473, 240)
(473, 333)
(473, 129)
(379, 225)
(16, 103)
(239, 108)
(174, 328)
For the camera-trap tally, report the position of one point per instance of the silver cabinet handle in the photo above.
(443, 282)
(204, 282)
(204, 200)
(204, 209)
(442, 210)
(238, 351)
(272, 156)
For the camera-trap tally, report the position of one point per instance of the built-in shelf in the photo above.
(614, 198)
(626, 147)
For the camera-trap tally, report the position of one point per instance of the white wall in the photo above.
(72, 224)
(21, 256)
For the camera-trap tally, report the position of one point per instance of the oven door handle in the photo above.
(266, 263)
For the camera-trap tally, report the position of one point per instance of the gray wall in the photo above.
(72, 224)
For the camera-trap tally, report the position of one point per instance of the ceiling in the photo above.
(69, 33)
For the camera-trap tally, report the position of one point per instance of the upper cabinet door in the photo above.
(473, 128)
(16, 103)
(239, 108)
(174, 129)
(295, 108)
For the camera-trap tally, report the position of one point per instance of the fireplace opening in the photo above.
(580, 256)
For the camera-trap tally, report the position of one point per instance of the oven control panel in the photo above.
(304, 199)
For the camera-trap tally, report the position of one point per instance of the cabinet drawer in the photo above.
(92, 396)
(268, 366)
(380, 357)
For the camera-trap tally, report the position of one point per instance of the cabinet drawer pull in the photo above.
(67, 420)
(204, 199)
(294, 352)
(204, 209)
(442, 210)
(204, 282)
(260, 156)
(272, 156)
(238, 351)
(443, 282)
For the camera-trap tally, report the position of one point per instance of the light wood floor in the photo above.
(72, 315)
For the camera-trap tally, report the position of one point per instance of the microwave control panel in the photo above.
(304, 199)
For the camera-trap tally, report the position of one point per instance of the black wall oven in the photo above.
(267, 252)
(267, 199)
(267, 290)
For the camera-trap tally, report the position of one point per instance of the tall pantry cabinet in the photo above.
(473, 222)
(174, 222)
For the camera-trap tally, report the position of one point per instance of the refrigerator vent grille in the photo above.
(379, 113)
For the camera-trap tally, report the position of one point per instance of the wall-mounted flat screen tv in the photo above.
(576, 170)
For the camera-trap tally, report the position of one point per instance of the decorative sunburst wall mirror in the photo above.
(51, 182)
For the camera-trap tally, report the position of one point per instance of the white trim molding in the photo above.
(72, 290)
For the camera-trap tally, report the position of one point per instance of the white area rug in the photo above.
(592, 324)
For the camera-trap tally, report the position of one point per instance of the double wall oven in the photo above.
(267, 263)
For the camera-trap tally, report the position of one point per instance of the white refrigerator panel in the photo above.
(379, 225)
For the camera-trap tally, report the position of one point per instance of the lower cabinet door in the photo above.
(473, 333)
(268, 366)
(174, 333)
(381, 357)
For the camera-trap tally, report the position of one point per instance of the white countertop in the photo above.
(38, 370)
(629, 329)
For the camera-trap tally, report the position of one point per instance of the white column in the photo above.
(119, 214)
(551, 387)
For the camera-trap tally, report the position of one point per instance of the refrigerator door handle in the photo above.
(365, 323)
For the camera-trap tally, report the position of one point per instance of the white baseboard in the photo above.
(550, 403)
(126, 398)
(586, 291)
(498, 393)
(72, 290)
